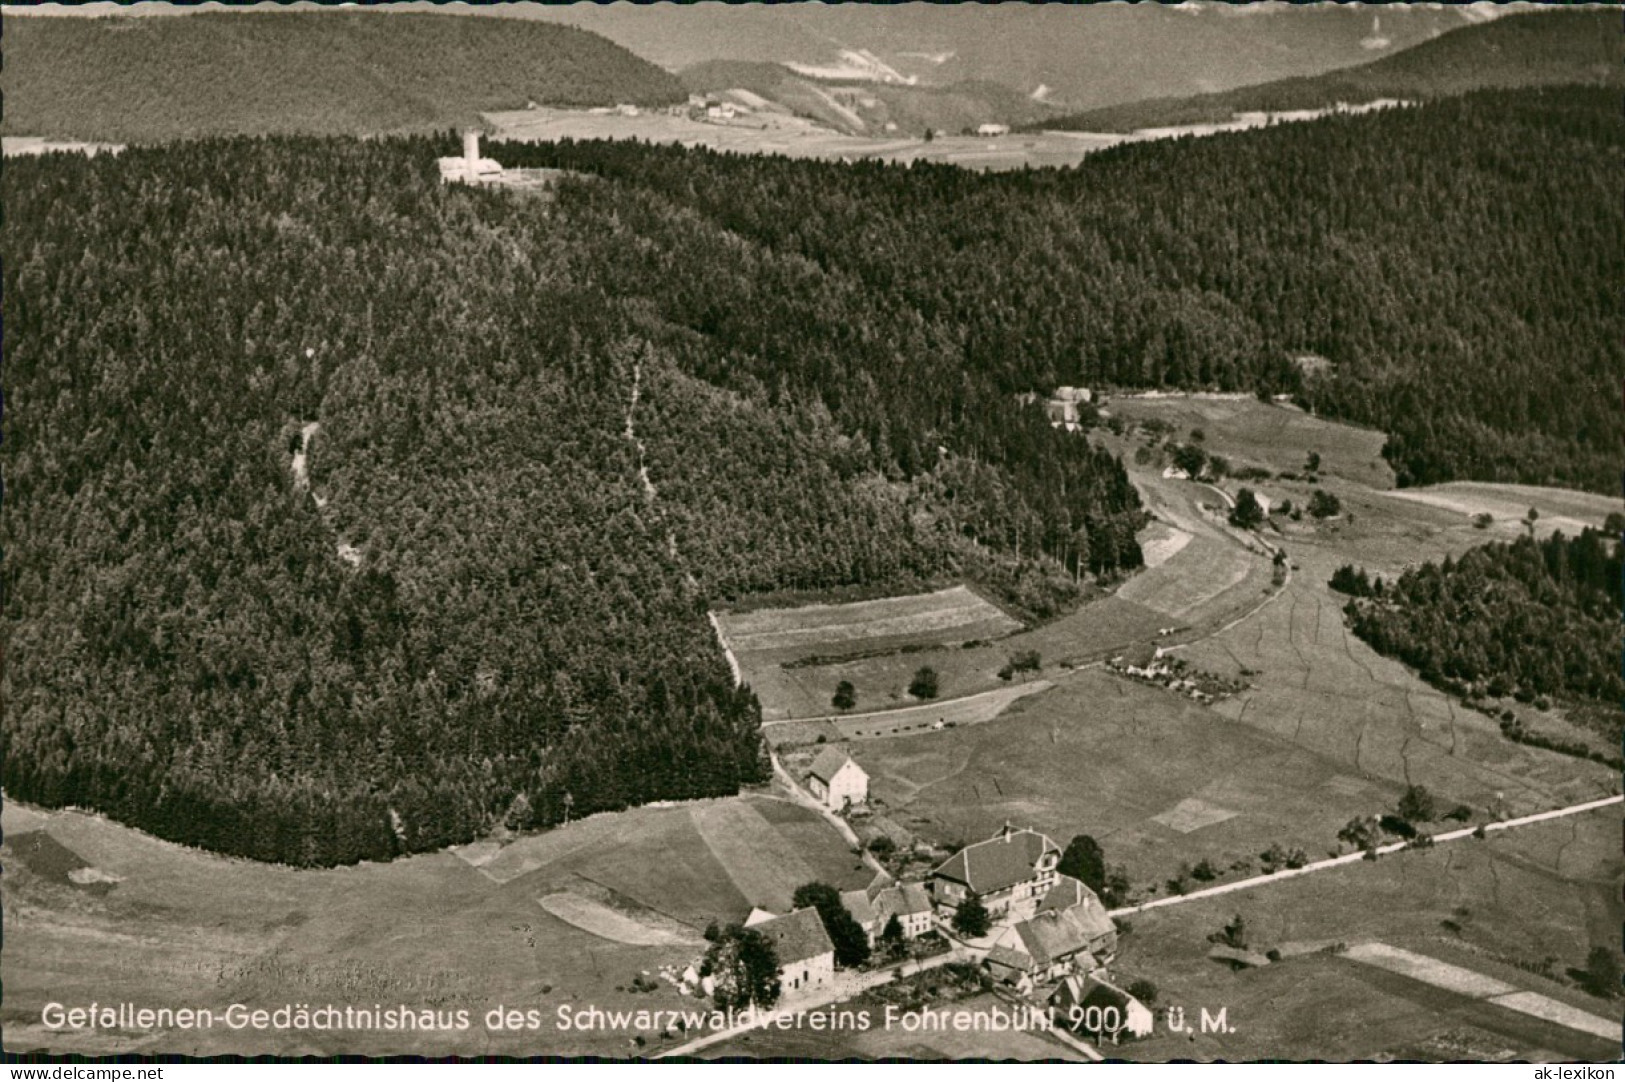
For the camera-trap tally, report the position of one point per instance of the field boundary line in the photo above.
(927, 705)
(1357, 856)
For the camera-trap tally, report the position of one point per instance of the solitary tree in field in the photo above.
(1248, 513)
(1602, 972)
(971, 919)
(1312, 464)
(1191, 459)
(1084, 861)
(924, 684)
(1416, 805)
(846, 696)
(1529, 520)
(1324, 505)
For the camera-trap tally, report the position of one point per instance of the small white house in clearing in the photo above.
(993, 129)
(838, 781)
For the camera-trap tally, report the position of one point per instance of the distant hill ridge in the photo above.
(1527, 50)
(127, 79)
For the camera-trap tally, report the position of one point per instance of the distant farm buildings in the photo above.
(837, 781)
(1062, 407)
(993, 129)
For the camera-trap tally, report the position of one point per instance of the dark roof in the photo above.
(1009, 958)
(797, 936)
(1002, 861)
(828, 763)
(1056, 935)
(857, 903)
(904, 899)
(1069, 893)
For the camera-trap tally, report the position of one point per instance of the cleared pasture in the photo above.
(953, 615)
(1270, 435)
(1316, 686)
(1560, 509)
(1491, 908)
(600, 920)
(1118, 760)
(1095, 631)
(770, 133)
(185, 928)
(971, 710)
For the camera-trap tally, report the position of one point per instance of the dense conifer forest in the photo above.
(1459, 264)
(545, 435)
(539, 438)
(1527, 619)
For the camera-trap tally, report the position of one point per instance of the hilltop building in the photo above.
(470, 168)
(837, 781)
(473, 169)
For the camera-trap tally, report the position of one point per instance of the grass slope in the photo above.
(1536, 49)
(141, 80)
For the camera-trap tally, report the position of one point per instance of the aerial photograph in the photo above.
(813, 532)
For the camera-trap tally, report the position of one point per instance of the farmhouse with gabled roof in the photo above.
(837, 781)
(874, 908)
(1013, 868)
(1069, 933)
(806, 955)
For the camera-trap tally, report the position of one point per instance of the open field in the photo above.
(1560, 509)
(1320, 688)
(1158, 780)
(1490, 908)
(774, 132)
(1161, 781)
(18, 145)
(795, 137)
(946, 616)
(600, 920)
(1277, 437)
(185, 928)
(1098, 630)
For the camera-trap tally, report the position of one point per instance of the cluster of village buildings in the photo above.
(1047, 930)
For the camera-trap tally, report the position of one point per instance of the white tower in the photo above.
(471, 155)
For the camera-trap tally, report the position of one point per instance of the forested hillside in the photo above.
(1533, 49)
(542, 436)
(1526, 618)
(1459, 264)
(146, 79)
